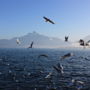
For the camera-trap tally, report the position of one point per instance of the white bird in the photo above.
(74, 81)
(18, 41)
(77, 84)
(49, 75)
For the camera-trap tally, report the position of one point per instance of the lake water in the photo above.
(21, 69)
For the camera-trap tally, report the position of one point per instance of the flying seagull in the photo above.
(66, 38)
(31, 45)
(67, 55)
(43, 55)
(49, 75)
(77, 81)
(83, 43)
(48, 20)
(17, 41)
(77, 84)
(59, 68)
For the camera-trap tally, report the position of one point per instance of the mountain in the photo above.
(40, 41)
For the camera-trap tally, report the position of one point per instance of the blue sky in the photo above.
(19, 17)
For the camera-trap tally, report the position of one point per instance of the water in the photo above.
(21, 69)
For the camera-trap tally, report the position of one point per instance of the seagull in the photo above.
(49, 75)
(31, 45)
(83, 43)
(48, 20)
(67, 55)
(78, 84)
(59, 68)
(43, 55)
(17, 41)
(75, 82)
(66, 38)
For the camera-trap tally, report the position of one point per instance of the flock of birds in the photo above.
(81, 41)
(59, 68)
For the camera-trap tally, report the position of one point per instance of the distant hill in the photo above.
(40, 41)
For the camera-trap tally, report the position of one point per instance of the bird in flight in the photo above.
(66, 38)
(67, 55)
(31, 45)
(43, 55)
(17, 41)
(48, 20)
(59, 68)
(78, 84)
(83, 43)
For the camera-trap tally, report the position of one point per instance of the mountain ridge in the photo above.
(40, 41)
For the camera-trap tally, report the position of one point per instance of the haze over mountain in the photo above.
(87, 38)
(40, 41)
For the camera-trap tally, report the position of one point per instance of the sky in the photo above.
(19, 17)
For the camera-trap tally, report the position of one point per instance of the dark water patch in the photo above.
(21, 69)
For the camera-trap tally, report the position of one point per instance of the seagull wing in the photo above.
(48, 20)
(51, 21)
(43, 55)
